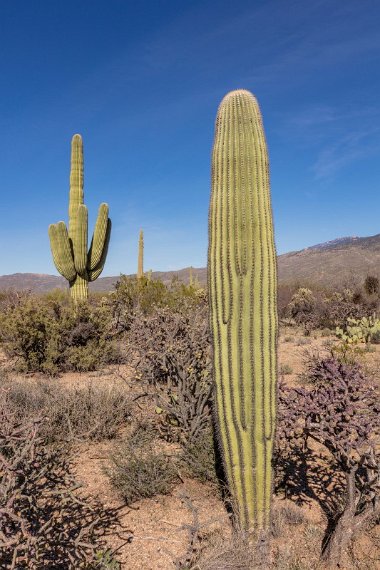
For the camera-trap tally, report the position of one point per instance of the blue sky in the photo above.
(142, 80)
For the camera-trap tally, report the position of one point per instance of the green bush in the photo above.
(138, 471)
(104, 560)
(286, 369)
(51, 336)
(199, 458)
(144, 295)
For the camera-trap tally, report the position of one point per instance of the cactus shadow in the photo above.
(307, 475)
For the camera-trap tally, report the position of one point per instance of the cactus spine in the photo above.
(140, 261)
(243, 313)
(69, 247)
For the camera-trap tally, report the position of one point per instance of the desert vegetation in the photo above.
(136, 394)
(164, 426)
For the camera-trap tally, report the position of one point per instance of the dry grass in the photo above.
(87, 412)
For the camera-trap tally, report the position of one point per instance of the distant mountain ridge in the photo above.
(333, 243)
(343, 261)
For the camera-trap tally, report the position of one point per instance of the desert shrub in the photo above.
(285, 291)
(10, 299)
(88, 339)
(217, 552)
(199, 458)
(343, 305)
(323, 309)
(286, 559)
(325, 332)
(371, 285)
(73, 413)
(325, 371)
(132, 294)
(285, 515)
(302, 306)
(104, 560)
(327, 310)
(142, 296)
(45, 522)
(340, 413)
(292, 515)
(285, 369)
(375, 337)
(60, 296)
(288, 339)
(138, 470)
(303, 341)
(30, 333)
(46, 336)
(174, 356)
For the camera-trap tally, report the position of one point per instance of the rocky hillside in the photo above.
(344, 261)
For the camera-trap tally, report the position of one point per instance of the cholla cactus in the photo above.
(69, 247)
(302, 305)
(340, 413)
(243, 311)
(359, 330)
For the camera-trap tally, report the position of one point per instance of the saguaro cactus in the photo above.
(140, 261)
(243, 314)
(69, 247)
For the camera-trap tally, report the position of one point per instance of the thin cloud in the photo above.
(342, 153)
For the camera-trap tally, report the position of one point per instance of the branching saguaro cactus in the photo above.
(69, 247)
(140, 260)
(242, 276)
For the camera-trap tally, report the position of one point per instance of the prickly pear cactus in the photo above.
(69, 247)
(359, 330)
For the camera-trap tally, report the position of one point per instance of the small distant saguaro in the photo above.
(72, 258)
(140, 261)
(243, 311)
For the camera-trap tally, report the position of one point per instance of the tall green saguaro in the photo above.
(140, 260)
(71, 255)
(242, 276)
